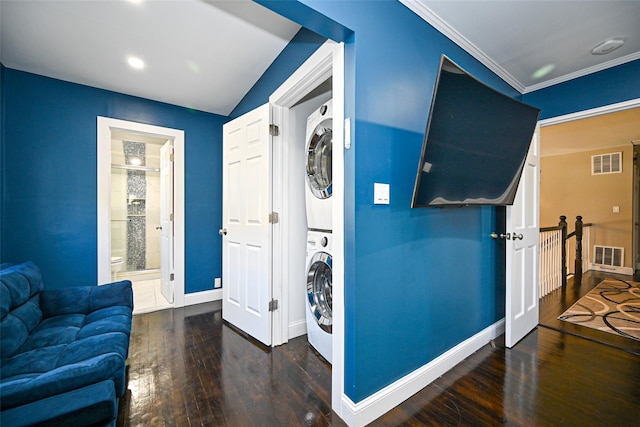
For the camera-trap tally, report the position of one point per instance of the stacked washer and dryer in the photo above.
(318, 189)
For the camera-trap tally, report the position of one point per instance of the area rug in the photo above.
(613, 306)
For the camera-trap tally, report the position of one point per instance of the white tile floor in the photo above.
(147, 296)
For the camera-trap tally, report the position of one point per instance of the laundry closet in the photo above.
(278, 164)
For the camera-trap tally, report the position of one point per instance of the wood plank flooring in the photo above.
(554, 304)
(189, 368)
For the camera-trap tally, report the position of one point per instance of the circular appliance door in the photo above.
(319, 293)
(319, 160)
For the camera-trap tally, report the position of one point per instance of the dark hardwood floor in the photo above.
(554, 304)
(189, 368)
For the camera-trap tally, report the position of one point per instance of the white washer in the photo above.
(319, 292)
(318, 188)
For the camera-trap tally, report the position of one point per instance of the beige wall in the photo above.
(568, 188)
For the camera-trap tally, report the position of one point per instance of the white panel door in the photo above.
(246, 231)
(166, 220)
(523, 224)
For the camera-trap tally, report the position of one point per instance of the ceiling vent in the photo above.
(607, 46)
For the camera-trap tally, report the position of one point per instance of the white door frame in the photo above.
(611, 108)
(105, 127)
(327, 61)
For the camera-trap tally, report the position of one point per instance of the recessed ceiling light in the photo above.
(135, 161)
(136, 63)
(607, 46)
(543, 71)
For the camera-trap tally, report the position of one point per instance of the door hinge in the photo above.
(273, 305)
(170, 217)
(171, 277)
(273, 218)
(274, 130)
(171, 157)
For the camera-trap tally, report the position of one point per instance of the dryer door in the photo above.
(319, 149)
(319, 292)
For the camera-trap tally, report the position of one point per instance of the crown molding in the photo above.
(420, 9)
(583, 72)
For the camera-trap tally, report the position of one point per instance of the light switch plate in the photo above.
(616, 209)
(380, 194)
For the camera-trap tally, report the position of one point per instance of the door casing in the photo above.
(105, 127)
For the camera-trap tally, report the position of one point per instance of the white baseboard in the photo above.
(381, 402)
(203, 296)
(297, 328)
(613, 269)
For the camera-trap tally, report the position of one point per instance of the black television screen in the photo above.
(475, 144)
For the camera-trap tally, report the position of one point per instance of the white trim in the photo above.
(376, 405)
(202, 297)
(420, 9)
(584, 114)
(104, 127)
(423, 11)
(327, 61)
(298, 328)
(583, 72)
(628, 271)
(315, 70)
(308, 76)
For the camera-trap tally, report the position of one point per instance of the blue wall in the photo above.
(49, 177)
(419, 281)
(299, 49)
(595, 90)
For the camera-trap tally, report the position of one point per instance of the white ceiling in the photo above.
(518, 37)
(204, 55)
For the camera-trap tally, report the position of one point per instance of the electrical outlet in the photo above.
(217, 283)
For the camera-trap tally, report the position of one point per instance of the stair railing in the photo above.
(553, 254)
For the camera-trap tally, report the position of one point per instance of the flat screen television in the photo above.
(475, 144)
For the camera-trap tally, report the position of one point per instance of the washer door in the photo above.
(319, 293)
(319, 150)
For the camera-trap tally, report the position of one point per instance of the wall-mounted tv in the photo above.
(475, 144)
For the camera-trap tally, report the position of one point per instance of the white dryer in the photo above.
(319, 138)
(319, 292)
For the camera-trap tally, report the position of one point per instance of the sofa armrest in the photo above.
(23, 389)
(91, 405)
(86, 299)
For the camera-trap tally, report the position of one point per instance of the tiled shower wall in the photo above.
(135, 206)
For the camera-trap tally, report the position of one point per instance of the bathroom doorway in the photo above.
(141, 211)
(137, 234)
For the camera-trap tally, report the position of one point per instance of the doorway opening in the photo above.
(141, 211)
(136, 211)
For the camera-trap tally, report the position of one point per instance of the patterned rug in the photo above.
(613, 306)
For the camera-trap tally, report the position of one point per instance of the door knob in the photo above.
(495, 235)
(222, 232)
(517, 236)
(159, 228)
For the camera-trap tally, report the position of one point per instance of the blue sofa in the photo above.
(63, 351)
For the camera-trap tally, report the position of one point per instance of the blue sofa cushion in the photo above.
(54, 342)
(30, 387)
(95, 404)
(20, 288)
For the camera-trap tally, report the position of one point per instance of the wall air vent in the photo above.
(608, 256)
(606, 163)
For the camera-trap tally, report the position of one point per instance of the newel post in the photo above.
(578, 262)
(563, 224)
